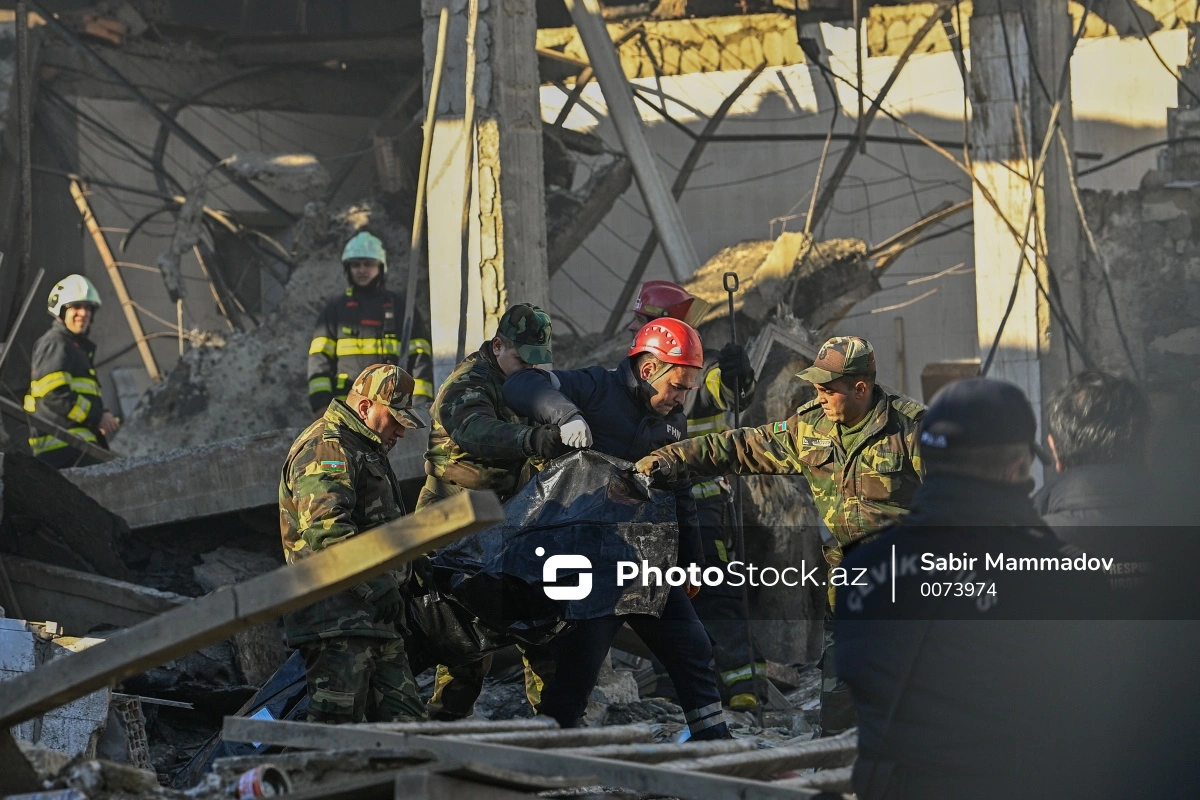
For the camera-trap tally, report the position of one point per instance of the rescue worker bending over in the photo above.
(363, 327)
(63, 388)
(630, 411)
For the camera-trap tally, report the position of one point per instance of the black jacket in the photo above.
(968, 696)
(615, 403)
(63, 389)
(361, 328)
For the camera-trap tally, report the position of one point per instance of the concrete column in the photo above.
(508, 217)
(1007, 132)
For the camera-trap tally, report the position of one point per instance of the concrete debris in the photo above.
(259, 651)
(257, 381)
(300, 173)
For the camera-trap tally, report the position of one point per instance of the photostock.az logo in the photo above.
(555, 564)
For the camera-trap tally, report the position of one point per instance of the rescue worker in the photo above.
(630, 411)
(363, 327)
(336, 483)
(63, 388)
(726, 377)
(856, 446)
(478, 442)
(988, 688)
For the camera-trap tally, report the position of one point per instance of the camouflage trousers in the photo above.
(360, 679)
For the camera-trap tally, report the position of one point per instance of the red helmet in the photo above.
(663, 299)
(671, 341)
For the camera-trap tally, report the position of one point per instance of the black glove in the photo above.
(546, 441)
(383, 593)
(390, 607)
(735, 366)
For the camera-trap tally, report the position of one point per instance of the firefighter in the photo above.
(726, 376)
(363, 327)
(63, 388)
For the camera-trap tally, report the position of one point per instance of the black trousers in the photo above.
(677, 639)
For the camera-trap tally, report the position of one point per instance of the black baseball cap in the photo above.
(978, 412)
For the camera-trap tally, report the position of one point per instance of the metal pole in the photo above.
(730, 281)
(858, 65)
(901, 358)
(464, 256)
(15, 411)
(118, 282)
(12, 334)
(24, 160)
(418, 228)
(664, 212)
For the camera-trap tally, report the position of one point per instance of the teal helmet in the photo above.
(365, 245)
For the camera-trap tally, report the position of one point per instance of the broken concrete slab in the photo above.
(81, 601)
(48, 519)
(204, 480)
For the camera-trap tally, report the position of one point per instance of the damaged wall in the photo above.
(755, 190)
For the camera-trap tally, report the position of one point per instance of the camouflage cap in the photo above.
(529, 328)
(841, 355)
(392, 386)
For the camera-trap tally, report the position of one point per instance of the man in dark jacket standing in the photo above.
(336, 483)
(972, 679)
(63, 388)
(630, 411)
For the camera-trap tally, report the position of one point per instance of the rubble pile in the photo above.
(257, 381)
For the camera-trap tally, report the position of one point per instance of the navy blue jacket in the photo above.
(615, 403)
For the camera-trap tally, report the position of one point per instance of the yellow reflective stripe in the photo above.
(318, 385)
(368, 347)
(702, 425)
(722, 553)
(744, 673)
(43, 386)
(50, 443)
(703, 491)
(321, 345)
(85, 386)
(30, 403)
(79, 411)
(712, 382)
(422, 388)
(420, 346)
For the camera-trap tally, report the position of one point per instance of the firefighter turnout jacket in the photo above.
(63, 389)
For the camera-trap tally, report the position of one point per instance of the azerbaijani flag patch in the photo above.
(779, 427)
(335, 467)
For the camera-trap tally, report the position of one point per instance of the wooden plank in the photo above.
(463, 727)
(234, 608)
(15, 411)
(644, 778)
(425, 785)
(572, 737)
(658, 753)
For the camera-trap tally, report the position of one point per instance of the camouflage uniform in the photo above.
(336, 482)
(63, 389)
(856, 492)
(477, 442)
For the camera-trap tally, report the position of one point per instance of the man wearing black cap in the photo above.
(966, 679)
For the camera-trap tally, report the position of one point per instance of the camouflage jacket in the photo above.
(709, 410)
(336, 482)
(359, 329)
(856, 492)
(476, 441)
(63, 388)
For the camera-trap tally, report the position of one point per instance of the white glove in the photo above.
(576, 433)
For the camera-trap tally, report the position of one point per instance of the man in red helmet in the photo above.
(727, 377)
(628, 412)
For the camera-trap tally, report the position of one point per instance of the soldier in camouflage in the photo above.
(337, 482)
(477, 442)
(856, 446)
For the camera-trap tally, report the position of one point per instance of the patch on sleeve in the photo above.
(779, 427)
(817, 441)
(334, 467)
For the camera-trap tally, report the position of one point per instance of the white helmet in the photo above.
(71, 289)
